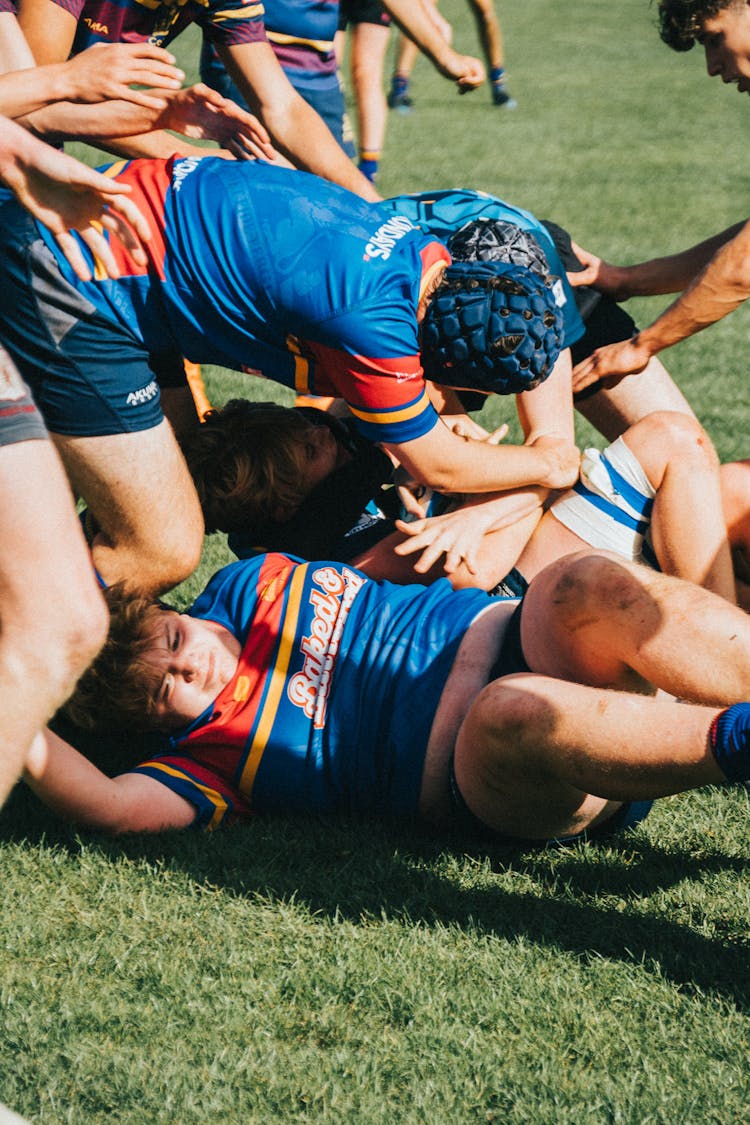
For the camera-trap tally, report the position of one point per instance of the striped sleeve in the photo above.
(216, 802)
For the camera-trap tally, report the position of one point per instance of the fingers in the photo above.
(409, 502)
(101, 250)
(130, 213)
(72, 252)
(470, 73)
(497, 435)
(585, 374)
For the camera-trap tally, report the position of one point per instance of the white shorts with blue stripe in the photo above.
(610, 507)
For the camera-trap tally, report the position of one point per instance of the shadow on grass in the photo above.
(591, 900)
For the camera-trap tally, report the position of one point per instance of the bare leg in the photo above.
(597, 619)
(369, 43)
(52, 616)
(490, 36)
(140, 493)
(687, 526)
(735, 491)
(539, 758)
(613, 410)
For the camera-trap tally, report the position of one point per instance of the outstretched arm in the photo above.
(77, 790)
(296, 129)
(196, 112)
(717, 290)
(103, 72)
(412, 18)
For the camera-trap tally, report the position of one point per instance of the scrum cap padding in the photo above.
(493, 327)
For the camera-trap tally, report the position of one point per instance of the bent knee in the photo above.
(667, 434)
(589, 584)
(508, 719)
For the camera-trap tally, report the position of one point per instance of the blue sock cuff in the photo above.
(497, 74)
(399, 84)
(368, 168)
(729, 739)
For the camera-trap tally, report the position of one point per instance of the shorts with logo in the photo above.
(88, 373)
(19, 418)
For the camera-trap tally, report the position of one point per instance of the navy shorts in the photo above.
(362, 11)
(89, 375)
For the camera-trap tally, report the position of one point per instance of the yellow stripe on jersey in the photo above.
(322, 45)
(238, 13)
(386, 417)
(216, 799)
(114, 169)
(278, 679)
(301, 366)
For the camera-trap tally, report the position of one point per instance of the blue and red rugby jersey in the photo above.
(331, 706)
(281, 274)
(159, 22)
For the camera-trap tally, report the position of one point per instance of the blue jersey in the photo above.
(281, 274)
(442, 213)
(336, 688)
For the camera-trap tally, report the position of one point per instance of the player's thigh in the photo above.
(52, 615)
(137, 486)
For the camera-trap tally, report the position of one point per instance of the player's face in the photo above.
(725, 38)
(323, 454)
(194, 661)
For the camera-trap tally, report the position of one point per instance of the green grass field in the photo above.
(284, 971)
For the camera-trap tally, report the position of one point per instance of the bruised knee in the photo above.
(507, 723)
(591, 584)
(665, 435)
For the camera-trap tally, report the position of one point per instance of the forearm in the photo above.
(453, 464)
(414, 21)
(720, 288)
(118, 127)
(673, 273)
(73, 787)
(304, 138)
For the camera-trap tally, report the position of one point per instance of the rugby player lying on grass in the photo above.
(303, 482)
(311, 688)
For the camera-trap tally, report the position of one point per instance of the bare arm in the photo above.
(75, 789)
(295, 128)
(547, 411)
(98, 74)
(720, 288)
(466, 71)
(449, 463)
(463, 535)
(197, 112)
(670, 274)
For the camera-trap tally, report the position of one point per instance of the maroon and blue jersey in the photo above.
(158, 21)
(277, 273)
(331, 706)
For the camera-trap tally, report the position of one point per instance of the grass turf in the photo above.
(288, 971)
